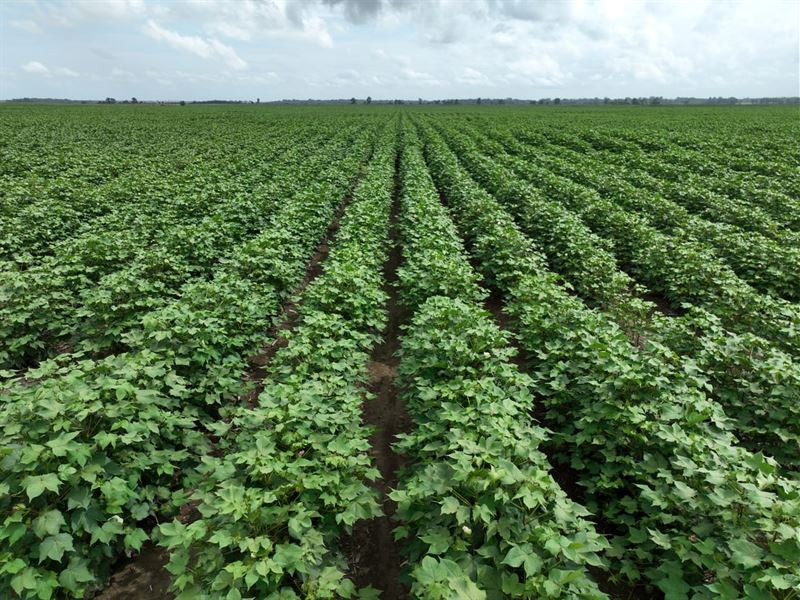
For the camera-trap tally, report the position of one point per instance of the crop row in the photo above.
(691, 512)
(72, 300)
(685, 186)
(684, 271)
(763, 164)
(93, 449)
(756, 161)
(758, 385)
(481, 516)
(142, 200)
(291, 477)
(768, 265)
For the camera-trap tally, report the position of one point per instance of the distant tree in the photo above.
(110, 101)
(258, 100)
(352, 100)
(134, 100)
(478, 101)
(369, 99)
(183, 102)
(419, 101)
(557, 101)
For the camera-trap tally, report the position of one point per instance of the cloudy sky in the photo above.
(272, 49)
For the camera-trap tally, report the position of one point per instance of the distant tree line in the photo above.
(641, 100)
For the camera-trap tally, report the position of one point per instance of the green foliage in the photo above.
(109, 442)
(653, 452)
(145, 255)
(758, 385)
(481, 515)
(293, 471)
(96, 285)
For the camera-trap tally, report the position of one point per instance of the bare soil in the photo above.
(374, 556)
(142, 577)
(662, 304)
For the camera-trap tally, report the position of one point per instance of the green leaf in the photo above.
(674, 588)
(533, 564)
(53, 547)
(684, 491)
(288, 556)
(745, 553)
(135, 539)
(439, 540)
(24, 580)
(517, 555)
(60, 445)
(659, 538)
(450, 506)
(46, 585)
(369, 593)
(35, 485)
(14, 566)
(466, 589)
(233, 594)
(48, 523)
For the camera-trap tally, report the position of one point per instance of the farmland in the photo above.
(432, 352)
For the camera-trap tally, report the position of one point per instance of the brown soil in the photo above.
(374, 556)
(662, 304)
(140, 578)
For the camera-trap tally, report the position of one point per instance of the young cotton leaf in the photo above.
(35, 485)
(53, 547)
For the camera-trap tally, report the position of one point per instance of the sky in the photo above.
(275, 49)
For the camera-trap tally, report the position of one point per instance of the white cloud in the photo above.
(36, 68)
(419, 76)
(26, 25)
(253, 20)
(66, 72)
(230, 30)
(227, 54)
(266, 77)
(158, 77)
(204, 48)
(540, 69)
(200, 77)
(470, 76)
(406, 48)
(122, 74)
(115, 10)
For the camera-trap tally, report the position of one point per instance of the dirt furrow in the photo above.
(374, 556)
